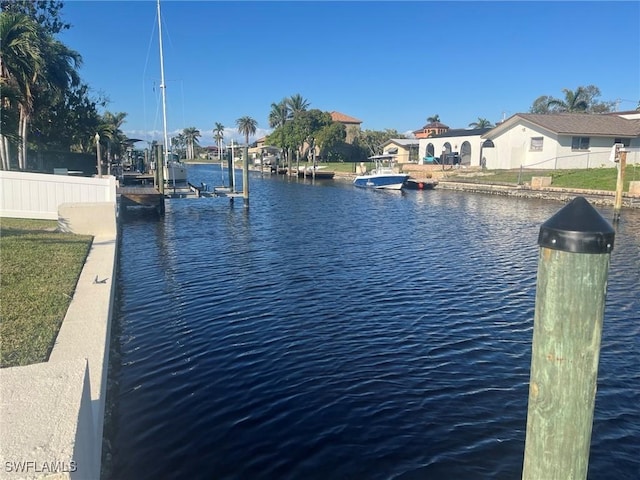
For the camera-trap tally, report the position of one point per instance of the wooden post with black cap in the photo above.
(575, 249)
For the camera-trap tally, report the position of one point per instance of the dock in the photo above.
(141, 197)
(149, 196)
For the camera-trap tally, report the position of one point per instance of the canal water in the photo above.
(330, 332)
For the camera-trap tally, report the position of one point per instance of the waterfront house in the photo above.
(351, 124)
(460, 146)
(543, 141)
(405, 149)
(561, 140)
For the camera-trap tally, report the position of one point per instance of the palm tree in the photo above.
(21, 62)
(481, 123)
(179, 144)
(191, 135)
(433, 119)
(218, 135)
(246, 126)
(110, 129)
(297, 104)
(573, 101)
(33, 65)
(279, 114)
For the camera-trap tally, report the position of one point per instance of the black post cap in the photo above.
(577, 228)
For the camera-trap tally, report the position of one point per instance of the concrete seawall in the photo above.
(596, 197)
(52, 413)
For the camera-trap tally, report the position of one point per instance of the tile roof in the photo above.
(463, 132)
(584, 124)
(404, 142)
(342, 118)
(434, 125)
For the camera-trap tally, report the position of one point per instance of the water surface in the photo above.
(335, 332)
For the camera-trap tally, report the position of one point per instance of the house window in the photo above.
(536, 144)
(580, 143)
(624, 141)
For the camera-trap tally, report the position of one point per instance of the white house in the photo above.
(561, 140)
(464, 144)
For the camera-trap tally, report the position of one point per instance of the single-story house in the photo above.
(544, 141)
(463, 144)
(405, 149)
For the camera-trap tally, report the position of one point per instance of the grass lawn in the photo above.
(591, 178)
(39, 269)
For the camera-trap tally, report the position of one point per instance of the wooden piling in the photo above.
(570, 298)
(160, 168)
(617, 204)
(245, 175)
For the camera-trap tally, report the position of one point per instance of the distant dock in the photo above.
(145, 195)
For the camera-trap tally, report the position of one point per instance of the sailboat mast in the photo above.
(162, 89)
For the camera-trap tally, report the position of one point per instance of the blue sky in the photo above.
(389, 64)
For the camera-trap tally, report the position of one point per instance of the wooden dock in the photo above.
(141, 197)
(149, 196)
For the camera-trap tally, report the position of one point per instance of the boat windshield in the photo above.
(383, 163)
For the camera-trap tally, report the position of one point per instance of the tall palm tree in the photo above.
(279, 114)
(297, 104)
(21, 62)
(433, 119)
(246, 126)
(191, 135)
(218, 135)
(481, 123)
(574, 101)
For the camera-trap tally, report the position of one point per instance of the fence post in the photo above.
(575, 249)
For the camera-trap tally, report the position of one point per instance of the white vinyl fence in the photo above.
(38, 195)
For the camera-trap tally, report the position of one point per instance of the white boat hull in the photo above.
(381, 181)
(175, 172)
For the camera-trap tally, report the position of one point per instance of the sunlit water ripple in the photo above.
(329, 332)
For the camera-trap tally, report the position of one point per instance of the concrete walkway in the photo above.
(52, 414)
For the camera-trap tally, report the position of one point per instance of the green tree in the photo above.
(297, 104)
(246, 126)
(433, 119)
(279, 114)
(371, 141)
(481, 123)
(21, 63)
(179, 145)
(37, 69)
(191, 135)
(111, 132)
(583, 99)
(541, 105)
(330, 139)
(44, 13)
(574, 101)
(218, 136)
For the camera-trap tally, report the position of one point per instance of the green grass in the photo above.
(39, 271)
(591, 179)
